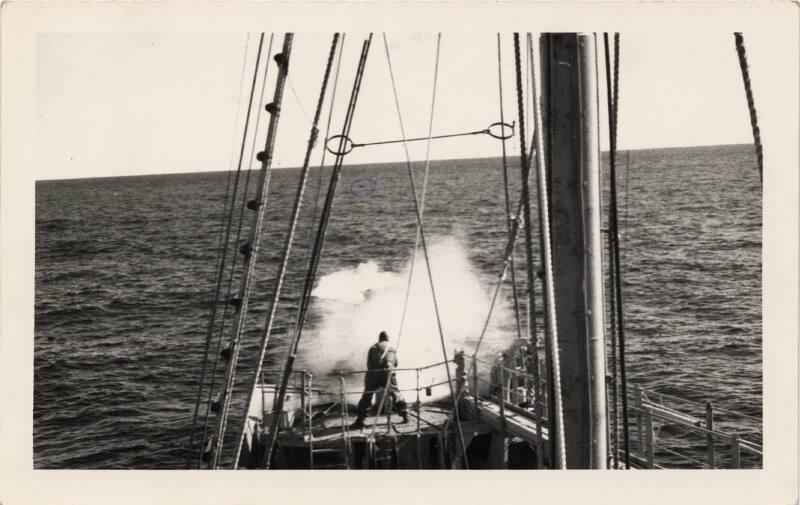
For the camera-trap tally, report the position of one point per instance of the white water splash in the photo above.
(357, 303)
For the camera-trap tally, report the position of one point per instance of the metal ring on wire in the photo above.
(501, 135)
(345, 145)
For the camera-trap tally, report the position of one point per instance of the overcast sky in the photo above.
(119, 104)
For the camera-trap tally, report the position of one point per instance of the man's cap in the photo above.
(383, 337)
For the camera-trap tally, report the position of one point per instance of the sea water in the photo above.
(125, 276)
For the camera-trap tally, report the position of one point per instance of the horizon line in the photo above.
(602, 152)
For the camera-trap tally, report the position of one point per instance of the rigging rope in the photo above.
(547, 358)
(250, 249)
(526, 167)
(322, 162)
(318, 185)
(614, 445)
(321, 230)
(751, 106)
(548, 264)
(299, 103)
(505, 191)
(533, 333)
(613, 237)
(227, 236)
(221, 253)
(287, 248)
(310, 231)
(620, 319)
(234, 261)
(385, 398)
(425, 252)
(318, 246)
(508, 257)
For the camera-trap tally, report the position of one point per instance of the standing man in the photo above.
(381, 360)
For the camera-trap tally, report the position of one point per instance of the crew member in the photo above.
(381, 360)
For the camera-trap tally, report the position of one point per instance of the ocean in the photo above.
(125, 273)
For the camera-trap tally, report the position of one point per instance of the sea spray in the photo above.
(355, 304)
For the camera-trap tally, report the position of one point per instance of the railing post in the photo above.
(418, 434)
(502, 399)
(303, 398)
(475, 386)
(712, 456)
(538, 409)
(263, 400)
(460, 373)
(637, 401)
(651, 439)
(419, 403)
(735, 454)
(307, 405)
(345, 431)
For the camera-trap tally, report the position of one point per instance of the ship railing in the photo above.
(299, 380)
(701, 435)
(347, 394)
(706, 442)
(398, 372)
(514, 387)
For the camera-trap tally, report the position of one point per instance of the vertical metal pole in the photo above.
(573, 155)
(637, 400)
(440, 448)
(502, 399)
(593, 244)
(419, 403)
(418, 434)
(388, 401)
(475, 387)
(461, 382)
(460, 373)
(538, 411)
(651, 442)
(309, 428)
(303, 398)
(263, 399)
(735, 453)
(345, 436)
(712, 456)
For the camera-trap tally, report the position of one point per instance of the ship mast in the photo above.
(572, 150)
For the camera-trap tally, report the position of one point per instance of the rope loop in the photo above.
(501, 134)
(346, 145)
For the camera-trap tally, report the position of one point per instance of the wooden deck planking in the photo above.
(517, 425)
(328, 431)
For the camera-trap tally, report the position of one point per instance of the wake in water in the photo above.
(357, 303)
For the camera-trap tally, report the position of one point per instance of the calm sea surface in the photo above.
(125, 269)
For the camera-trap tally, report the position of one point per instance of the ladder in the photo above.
(382, 453)
(340, 454)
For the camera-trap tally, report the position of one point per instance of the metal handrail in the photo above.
(514, 371)
(409, 390)
(359, 372)
(646, 409)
